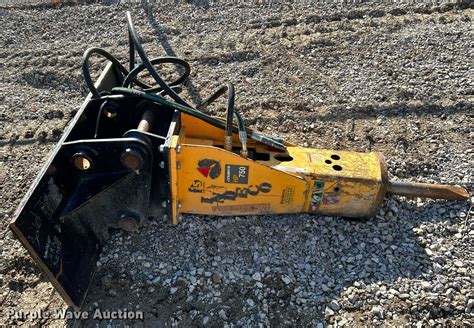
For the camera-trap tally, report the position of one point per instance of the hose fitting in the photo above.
(243, 140)
(228, 143)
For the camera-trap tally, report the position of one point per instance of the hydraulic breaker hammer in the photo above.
(136, 151)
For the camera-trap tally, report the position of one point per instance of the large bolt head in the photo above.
(132, 159)
(82, 161)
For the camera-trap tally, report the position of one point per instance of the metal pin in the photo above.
(132, 159)
(435, 191)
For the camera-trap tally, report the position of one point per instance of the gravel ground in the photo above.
(388, 77)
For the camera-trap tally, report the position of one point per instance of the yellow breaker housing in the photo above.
(206, 179)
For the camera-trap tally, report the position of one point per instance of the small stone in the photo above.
(470, 305)
(334, 305)
(222, 314)
(250, 302)
(394, 208)
(426, 285)
(205, 320)
(328, 312)
(216, 277)
(325, 288)
(459, 264)
(404, 296)
(378, 311)
(257, 276)
(286, 279)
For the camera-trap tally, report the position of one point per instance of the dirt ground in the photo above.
(394, 78)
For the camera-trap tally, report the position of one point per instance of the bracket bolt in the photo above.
(82, 161)
(132, 159)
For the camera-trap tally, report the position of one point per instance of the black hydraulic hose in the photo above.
(163, 101)
(146, 62)
(229, 87)
(164, 88)
(132, 76)
(131, 53)
(240, 121)
(85, 67)
(86, 72)
(193, 112)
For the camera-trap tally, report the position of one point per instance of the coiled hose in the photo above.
(130, 77)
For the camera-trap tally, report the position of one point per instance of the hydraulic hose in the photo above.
(87, 76)
(229, 87)
(146, 62)
(194, 112)
(130, 77)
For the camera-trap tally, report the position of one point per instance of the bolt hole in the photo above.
(328, 161)
(336, 189)
(283, 158)
(337, 167)
(82, 162)
(335, 157)
(109, 111)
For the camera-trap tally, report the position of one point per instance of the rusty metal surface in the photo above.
(427, 190)
(146, 121)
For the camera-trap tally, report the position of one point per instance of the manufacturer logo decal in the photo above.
(239, 192)
(209, 168)
(196, 186)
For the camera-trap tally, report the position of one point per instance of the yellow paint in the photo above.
(172, 164)
(266, 190)
(341, 183)
(354, 183)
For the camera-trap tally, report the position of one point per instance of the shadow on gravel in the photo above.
(148, 8)
(306, 263)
